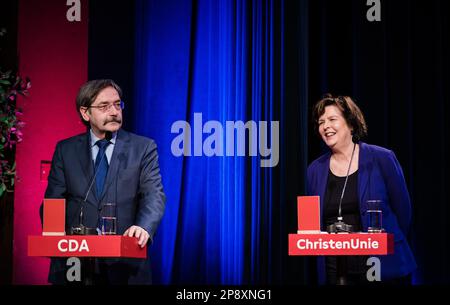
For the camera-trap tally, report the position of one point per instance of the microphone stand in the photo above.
(88, 264)
(81, 229)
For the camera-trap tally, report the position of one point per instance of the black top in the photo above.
(353, 266)
(350, 202)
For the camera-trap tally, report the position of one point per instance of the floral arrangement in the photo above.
(11, 85)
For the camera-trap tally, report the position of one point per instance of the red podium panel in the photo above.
(85, 246)
(341, 244)
(54, 217)
(308, 211)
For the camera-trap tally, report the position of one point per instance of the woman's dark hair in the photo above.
(89, 91)
(350, 111)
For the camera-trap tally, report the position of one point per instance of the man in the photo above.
(107, 164)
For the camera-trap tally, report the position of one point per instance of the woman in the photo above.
(349, 175)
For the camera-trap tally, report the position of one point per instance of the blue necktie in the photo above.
(101, 167)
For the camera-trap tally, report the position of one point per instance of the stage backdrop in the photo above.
(208, 63)
(53, 53)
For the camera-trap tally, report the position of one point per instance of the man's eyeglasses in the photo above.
(106, 107)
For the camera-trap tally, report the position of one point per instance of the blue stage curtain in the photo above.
(224, 220)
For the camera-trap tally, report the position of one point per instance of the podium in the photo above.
(311, 241)
(86, 246)
(55, 243)
(341, 244)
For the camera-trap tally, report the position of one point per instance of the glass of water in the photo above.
(374, 216)
(108, 219)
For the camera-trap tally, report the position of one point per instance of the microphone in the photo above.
(339, 225)
(81, 229)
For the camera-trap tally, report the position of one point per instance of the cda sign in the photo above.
(72, 245)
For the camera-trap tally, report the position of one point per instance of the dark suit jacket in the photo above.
(133, 182)
(380, 176)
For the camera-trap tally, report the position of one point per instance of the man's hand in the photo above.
(139, 233)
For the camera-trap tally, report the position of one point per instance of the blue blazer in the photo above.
(133, 182)
(380, 176)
